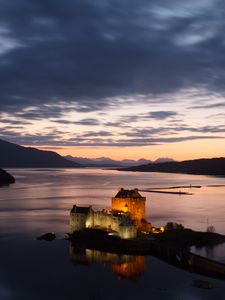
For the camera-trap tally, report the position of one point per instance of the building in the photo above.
(126, 217)
(130, 201)
(81, 217)
(115, 223)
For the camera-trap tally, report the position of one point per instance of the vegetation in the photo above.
(174, 226)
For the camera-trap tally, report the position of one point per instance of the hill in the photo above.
(95, 162)
(15, 156)
(6, 178)
(213, 166)
(107, 162)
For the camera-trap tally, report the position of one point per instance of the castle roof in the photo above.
(122, 193)
(81, 209)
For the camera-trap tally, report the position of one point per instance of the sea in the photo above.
(40, 202)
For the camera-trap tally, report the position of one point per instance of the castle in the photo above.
(130, 201)
(125, 218)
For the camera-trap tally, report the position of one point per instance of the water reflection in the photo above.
(133, 266)
(215, 252)
(124, 266)
(132, 269)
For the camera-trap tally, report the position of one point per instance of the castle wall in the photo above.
(89, 223)
(120, 224)
(127, 232)
(107, 221)
(77, 221)
(135, 206)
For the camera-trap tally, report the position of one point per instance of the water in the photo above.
(40, 201)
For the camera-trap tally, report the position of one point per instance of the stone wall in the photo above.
(127, 232)
(77, 221)
(135, 206)
(120, 224)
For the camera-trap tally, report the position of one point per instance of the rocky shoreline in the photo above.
(143, 245)
(172, 248)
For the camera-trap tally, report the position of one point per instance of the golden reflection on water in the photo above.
(124, 266)
(132, 269)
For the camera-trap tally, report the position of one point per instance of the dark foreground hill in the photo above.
(213, 166)
(6, 178)
(15, 156)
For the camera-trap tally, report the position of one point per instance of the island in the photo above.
(6, 178)
(123, 230)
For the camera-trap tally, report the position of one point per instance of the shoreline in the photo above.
(173, 251)
(177, 238)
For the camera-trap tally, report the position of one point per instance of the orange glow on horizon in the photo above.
(207, 148)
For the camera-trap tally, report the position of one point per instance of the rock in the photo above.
(202, 284)
(67, 236)
(50, 236)
(6, 178)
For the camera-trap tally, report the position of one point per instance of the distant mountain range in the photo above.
(110, 163)
(213, 166)
(15, 156)
(106, 162)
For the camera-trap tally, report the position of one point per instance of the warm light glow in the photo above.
(179, 151)
(162, 228)
(184, 138)
(136, 208)
(130, 269)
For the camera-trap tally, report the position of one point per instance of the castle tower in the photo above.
(130, 201)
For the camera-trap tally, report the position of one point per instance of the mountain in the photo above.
(15, 156)
(213, 166)
(141, 161)
(106, 162)
(95, 162)
(6, 178)
(163, 159)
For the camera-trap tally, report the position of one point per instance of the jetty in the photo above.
(166, 192)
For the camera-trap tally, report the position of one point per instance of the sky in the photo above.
(122, 79)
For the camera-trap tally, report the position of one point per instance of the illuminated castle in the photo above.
(130, 201)
(115, 223)
(125, 218)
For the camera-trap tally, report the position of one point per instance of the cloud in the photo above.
(213, 105)
(98, 140)
(90, 53)
(97, 63)
(172, 130)
(101, 133)
(14, 122)
(160, 115)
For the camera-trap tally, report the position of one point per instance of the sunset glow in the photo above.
(146, 81)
